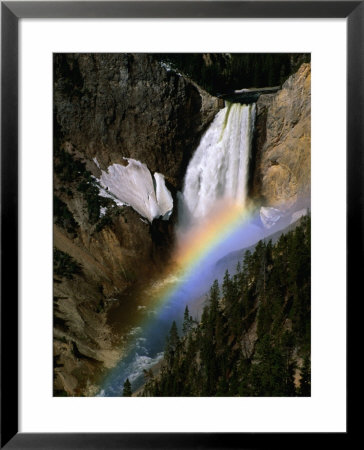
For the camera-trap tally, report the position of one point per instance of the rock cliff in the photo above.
(112, 106)
(108, 107)
(282, 152)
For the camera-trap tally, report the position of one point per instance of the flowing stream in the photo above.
(216, 174)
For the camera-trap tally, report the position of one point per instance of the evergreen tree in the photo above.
(205, 317)
(187, 321)
(268, 375)
(238, 268)
(214, 303)
(172, 344)
(305, 382)
(127, 388)
(173, 339)
(226, 286)
(286, 350)
(223, 355)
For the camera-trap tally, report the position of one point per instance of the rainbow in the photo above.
(170, 299)
(199, 243)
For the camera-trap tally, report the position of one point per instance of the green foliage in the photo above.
(272, 373)
(63, 216)
(64, 266)
(66, 167)
(187, 321)
(90, 190)
(127, 388)
(72, 172)
(305, 383)
(105, 220)
(272, 289)
(94, 202)
(172, 344)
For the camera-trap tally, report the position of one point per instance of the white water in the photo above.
(217, 172)
(219, 169)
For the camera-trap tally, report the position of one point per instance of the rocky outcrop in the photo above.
(281, 175)
(112, 106)
(108, 107)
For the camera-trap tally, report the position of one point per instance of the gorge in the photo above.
(153, 190)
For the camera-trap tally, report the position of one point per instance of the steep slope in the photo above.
(254, 335)
(108, 107)
(113, 107)
(281, 169)
(230, 261)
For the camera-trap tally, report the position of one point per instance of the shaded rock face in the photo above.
(120, 256)
(111, 107)
(281, 172)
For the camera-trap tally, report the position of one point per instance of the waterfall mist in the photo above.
(216, 180)
(215, 188)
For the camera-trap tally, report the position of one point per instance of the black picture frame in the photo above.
(11, 12)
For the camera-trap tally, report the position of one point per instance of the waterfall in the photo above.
(218, 171)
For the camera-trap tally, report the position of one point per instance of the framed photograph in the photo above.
(180, 221)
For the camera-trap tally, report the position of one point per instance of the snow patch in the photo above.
(166, 66)
(169, 68)
(133, 185)
(106, 193)
(164, 197)
(269, 216)
(298, 214)
(96, 162)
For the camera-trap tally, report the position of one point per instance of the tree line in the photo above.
(253, 338)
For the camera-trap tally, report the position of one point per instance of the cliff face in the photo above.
(110, 107)
(282, 153)
(114, 106)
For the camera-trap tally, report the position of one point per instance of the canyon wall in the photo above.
(281, 172)
(108, 107)
(121, 105)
